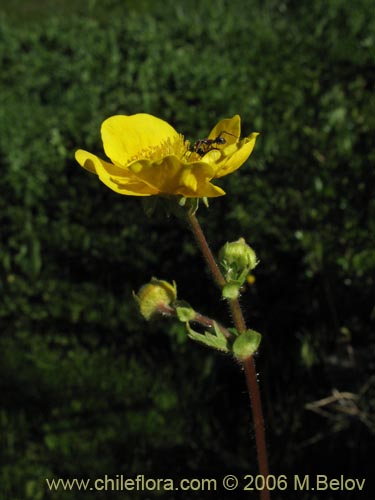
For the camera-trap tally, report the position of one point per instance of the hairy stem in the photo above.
(248, 364)
(206, 251)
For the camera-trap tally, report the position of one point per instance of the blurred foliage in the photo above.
(87, 387)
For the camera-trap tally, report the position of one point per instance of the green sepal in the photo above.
(246, 344)
(179, 207)
(190, 205)
(216, 341)
(184, 311)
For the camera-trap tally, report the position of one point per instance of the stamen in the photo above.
(176, 146)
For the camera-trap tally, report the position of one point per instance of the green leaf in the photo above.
(216, 341)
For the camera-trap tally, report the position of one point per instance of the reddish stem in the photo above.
(198, 318)
(248, 364)
(206, 251)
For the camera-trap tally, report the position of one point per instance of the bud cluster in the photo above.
(160, 297)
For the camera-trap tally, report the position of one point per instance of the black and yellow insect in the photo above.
(203, 146)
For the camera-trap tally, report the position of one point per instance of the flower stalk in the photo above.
(248, 364)
(198, 318)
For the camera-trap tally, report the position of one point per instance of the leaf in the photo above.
(216, 341)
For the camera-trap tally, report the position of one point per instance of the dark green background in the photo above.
(87, 387)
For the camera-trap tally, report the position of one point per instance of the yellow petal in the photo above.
(126, 137)
(83, 159)
(229, 129)
(171, 176)
(92, 162)
(194, 182)
(116, 178)
(237, 158)
(207, 190)
(162, 175)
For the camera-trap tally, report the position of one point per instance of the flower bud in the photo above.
(154, 296)
(184, 311)
(246, 344)
(237, 259)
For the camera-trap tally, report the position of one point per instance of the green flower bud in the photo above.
(154, 296)
(246, 344)
(184, 311)
(237, 259)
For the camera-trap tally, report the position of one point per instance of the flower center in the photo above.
(176, 146)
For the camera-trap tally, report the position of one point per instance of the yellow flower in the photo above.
(149, 157)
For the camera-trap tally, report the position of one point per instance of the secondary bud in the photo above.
(155, 296)
(246, 344)
(237, 259)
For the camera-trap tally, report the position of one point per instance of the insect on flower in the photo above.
(148, 157)
(203, 146)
